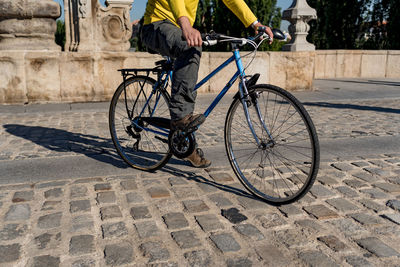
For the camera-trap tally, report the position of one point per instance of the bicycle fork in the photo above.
(248, 100)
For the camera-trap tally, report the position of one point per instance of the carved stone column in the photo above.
(28, 24)
(299, 14)
(115, 27)
(92, 27)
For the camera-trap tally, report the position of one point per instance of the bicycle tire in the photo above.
(295, 146)
(138, 148)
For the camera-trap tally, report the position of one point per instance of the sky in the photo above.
(139, 6)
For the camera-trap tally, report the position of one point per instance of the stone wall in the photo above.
(53, 76)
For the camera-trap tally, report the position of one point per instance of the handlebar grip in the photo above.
(210, 42)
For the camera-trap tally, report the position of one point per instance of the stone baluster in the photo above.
(299, 14)
(28, 24)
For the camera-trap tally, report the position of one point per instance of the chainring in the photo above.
(181, 143)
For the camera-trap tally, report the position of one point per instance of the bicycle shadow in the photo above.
(95, 147)
(352, 106)
(191, 176)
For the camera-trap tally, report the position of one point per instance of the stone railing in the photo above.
(52, 76)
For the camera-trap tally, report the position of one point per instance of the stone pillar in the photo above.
(92, 27)
(28, 24)
(299, 14)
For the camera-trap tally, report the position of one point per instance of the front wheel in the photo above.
(282, 167)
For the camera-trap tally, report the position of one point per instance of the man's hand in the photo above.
(191, 35)
(268, 30)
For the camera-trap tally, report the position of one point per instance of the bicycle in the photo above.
(270, 139)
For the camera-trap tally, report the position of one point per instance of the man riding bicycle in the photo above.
(168, 30)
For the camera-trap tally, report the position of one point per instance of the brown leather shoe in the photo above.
(197, 159)
(188, 122)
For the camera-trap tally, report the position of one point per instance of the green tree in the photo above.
(339, 23)
(60, 34)
(214, 15)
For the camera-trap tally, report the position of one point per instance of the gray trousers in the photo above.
(166, 39)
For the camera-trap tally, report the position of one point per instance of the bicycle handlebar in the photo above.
(210, 39)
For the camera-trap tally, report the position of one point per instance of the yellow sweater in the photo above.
(157, 10)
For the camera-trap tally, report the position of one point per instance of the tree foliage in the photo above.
(60, 34)
(214, 15)
(351, 24)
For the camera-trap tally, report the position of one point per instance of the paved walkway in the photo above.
(66, 199)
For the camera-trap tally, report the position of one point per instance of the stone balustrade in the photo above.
(52, 76)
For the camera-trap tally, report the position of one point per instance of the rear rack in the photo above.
(162, 65)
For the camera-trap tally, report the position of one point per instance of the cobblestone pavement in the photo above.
(191, 217)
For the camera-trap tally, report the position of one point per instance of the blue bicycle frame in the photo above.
(242, 91)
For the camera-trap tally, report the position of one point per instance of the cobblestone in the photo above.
(357, 261)
(377, 247)
(114, 229)
(147, 229)
(220, 200)
(81, 222)
(46, 260)
(394, 204)
(249, 231)
(196, 205)
(118, 254)
(106, 197)
(79, 206)
(233, 215)
(198, 258)
(175, 220)
(22, 196)
(9, 253)
(240, 262)
(134, 197)
(342, 204)
(82, 244)
(78, 191)
(18, 212)
(50, 221)
(155, 251)
(141, 212)
(371, 204)
(366, 219)
(290, 210)
(357, 226)
(347, 192)
(375, 193)
(321, 212)
(12, 231)
(54, 193)
(316, 258)
(186, 239)
(209, 222)
(225, 242)
(128, 185)
(332, 242)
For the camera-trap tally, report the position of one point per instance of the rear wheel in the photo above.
(140, 148)
(283, 167)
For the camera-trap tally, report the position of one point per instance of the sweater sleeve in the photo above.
(241, 10)
(178, 8)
